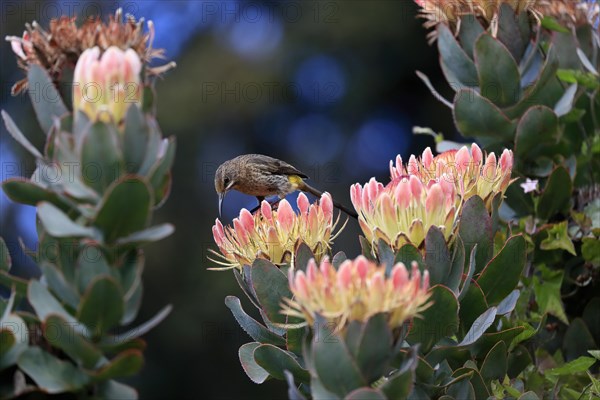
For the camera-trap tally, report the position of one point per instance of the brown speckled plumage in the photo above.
(262, 176)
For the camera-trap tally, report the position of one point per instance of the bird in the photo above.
(262, 176)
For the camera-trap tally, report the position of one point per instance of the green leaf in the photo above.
(508, 304)
(62, 335)
(136, 135)
(556, 195)
(518, 360)
(252, 327)
(160, 176)
(495, 364)
(472, 305)
(7, 339)
(125, 208)
(530, 395)
(271, 287)
(45, 304)
(58, 284)
(470, 29)
(586, 79)
(45, 98)
(9, 281)
(553, 25)
(302, 256)
(333, 362)
(153, 234)
(338, 259)
(385, 254)
(115, 390)
(25, 191)
(12, 346)
(590, 250)
(90, 265)
(59, 225)
(127, 363)
(437, 256)
(580, 364)
(547, 292)
(577, 340)
(458, 68)
(5, 261)
(372, 347)
(399, 385)
(409, 253)
(488, 340)
(293, 392)
(142, 329)
(438, 321)
(255, 372)
(275, 361)
(51, 374)
(481, 324)
(470, 272)
(501, 275)
(476, 116)
(558, 238)
(16, 133)
(458, 266)
(102, 305)
(475, 228)
(538, 122)
(565, 104)
(499, 78)
(595, 353)
(510, 33)
(462, 390)
(365, 394)
(101, 158)
(479, 386)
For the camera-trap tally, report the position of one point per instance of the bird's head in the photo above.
(225, 180)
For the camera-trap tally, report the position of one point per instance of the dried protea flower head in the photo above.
(59, 48)
(571, 13)
(356, 291)
(275, 234)
(449, 12)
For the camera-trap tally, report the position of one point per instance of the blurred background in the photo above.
(328, 86)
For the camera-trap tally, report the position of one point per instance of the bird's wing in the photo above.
(274, 166)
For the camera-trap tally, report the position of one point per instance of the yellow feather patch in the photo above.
(295, 179)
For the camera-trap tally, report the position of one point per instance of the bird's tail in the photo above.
(305, 187)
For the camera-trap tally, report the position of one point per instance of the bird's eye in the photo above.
(226, 182)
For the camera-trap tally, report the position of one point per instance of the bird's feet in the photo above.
(273, 204)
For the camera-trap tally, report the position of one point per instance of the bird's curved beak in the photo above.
(221, 198)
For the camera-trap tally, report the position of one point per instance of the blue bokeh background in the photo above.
(328, 86)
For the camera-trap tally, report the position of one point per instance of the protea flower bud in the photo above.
(273, 235)
(356, 291)
(105, 86)
(404, 210)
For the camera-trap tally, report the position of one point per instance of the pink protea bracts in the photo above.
(273, 235)
(356, 291)
(428, 192)
(404, 210)
(471, 173)
(105, 85)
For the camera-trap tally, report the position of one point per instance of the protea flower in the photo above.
(273, 235)
(358, 290)
(466, 171)
(571, 12)
(104, 86)
(61, 45)
(404, 210)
